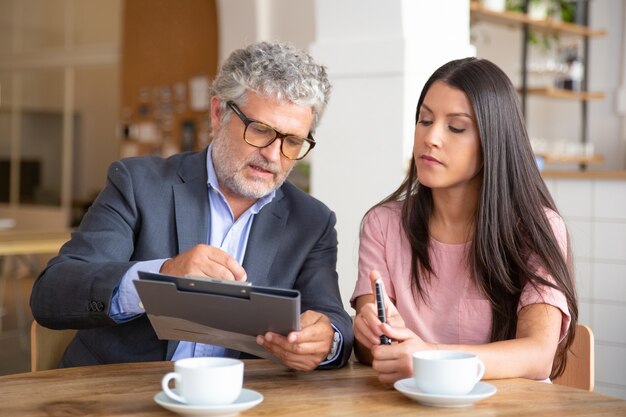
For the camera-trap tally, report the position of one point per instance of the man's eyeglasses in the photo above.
(260, 135)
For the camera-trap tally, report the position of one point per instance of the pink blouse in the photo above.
(455, 311)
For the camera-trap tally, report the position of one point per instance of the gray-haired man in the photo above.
(225, 212)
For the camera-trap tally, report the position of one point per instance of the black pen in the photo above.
(380, 306)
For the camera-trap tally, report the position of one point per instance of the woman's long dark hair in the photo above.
(510, 223)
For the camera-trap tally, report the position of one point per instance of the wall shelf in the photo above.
(479, 12)
(571, 159)
(554, 92)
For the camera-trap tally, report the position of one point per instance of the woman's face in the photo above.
(446, 145)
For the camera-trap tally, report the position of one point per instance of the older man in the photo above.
(226, 212)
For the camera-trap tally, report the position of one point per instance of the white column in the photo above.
(379, 53)
(238, 25)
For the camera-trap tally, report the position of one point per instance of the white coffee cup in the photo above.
(446, 372)
(205, 381)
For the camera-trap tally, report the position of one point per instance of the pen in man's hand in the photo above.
(380, 306)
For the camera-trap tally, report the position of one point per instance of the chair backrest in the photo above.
(580, 369)
(47, 346)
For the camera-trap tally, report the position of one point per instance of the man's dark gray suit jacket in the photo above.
(153, 208)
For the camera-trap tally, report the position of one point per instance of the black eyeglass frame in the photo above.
(277, 135)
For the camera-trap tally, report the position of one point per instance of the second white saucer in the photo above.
(247, 399)
(481, 391)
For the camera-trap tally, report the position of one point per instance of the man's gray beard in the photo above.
(231, 177)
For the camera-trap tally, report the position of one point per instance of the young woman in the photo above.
(470, 247)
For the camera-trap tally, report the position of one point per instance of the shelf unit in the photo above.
(164, 46)
(523, 21)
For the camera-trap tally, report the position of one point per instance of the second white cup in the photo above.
(446, 372)
(205, 381)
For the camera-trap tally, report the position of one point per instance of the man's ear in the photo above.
(216, 113)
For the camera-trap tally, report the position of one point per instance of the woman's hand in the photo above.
(367, 325)
(395, 361)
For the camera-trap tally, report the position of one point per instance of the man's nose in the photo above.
(272, 152)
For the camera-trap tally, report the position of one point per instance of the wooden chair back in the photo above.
(47, 346)
(580, 369)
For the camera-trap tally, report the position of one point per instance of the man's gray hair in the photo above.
(277, 70)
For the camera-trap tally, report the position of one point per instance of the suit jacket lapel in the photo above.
(191, 203)
(264, 239)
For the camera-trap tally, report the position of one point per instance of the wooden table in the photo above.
(19, 243)
(128, 390)
(32, 242)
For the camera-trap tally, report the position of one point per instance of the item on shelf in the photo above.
(573, 79)
(146, 132)
(538, 10)
(188, 135)
(199, 93)
(562, 150)
(495, 5)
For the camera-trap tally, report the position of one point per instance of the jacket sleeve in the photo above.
(76, 287)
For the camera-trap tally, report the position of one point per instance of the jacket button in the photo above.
(96, 306)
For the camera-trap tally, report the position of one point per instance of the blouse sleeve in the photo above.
(372, 255)
(543, 294)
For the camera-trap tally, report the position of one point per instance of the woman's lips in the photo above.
(430, 159)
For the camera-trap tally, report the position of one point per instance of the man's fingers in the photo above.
(224, 266)
(290, 344)
(310, 317)
(239, 274)
(205, 261)
(314, 326)
(294, 356)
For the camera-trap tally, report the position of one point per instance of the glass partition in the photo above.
(41, 136)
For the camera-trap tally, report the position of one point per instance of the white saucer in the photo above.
(247, 399)
(481, 391)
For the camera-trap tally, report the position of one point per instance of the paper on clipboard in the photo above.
(172, 328)
(217, 313)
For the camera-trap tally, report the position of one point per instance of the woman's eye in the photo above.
(424, 122)
(456, 130)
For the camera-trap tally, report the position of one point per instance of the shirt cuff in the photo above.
(339, 348)
(126, 304)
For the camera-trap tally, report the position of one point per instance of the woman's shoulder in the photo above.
(385, 212)
(551, 214)
(558, 226)
(388, 209)
(555, 219)
(385, 217)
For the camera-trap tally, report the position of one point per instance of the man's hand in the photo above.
(205, 261)
(303, 350)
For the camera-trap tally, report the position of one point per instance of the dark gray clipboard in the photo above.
(217, 312)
